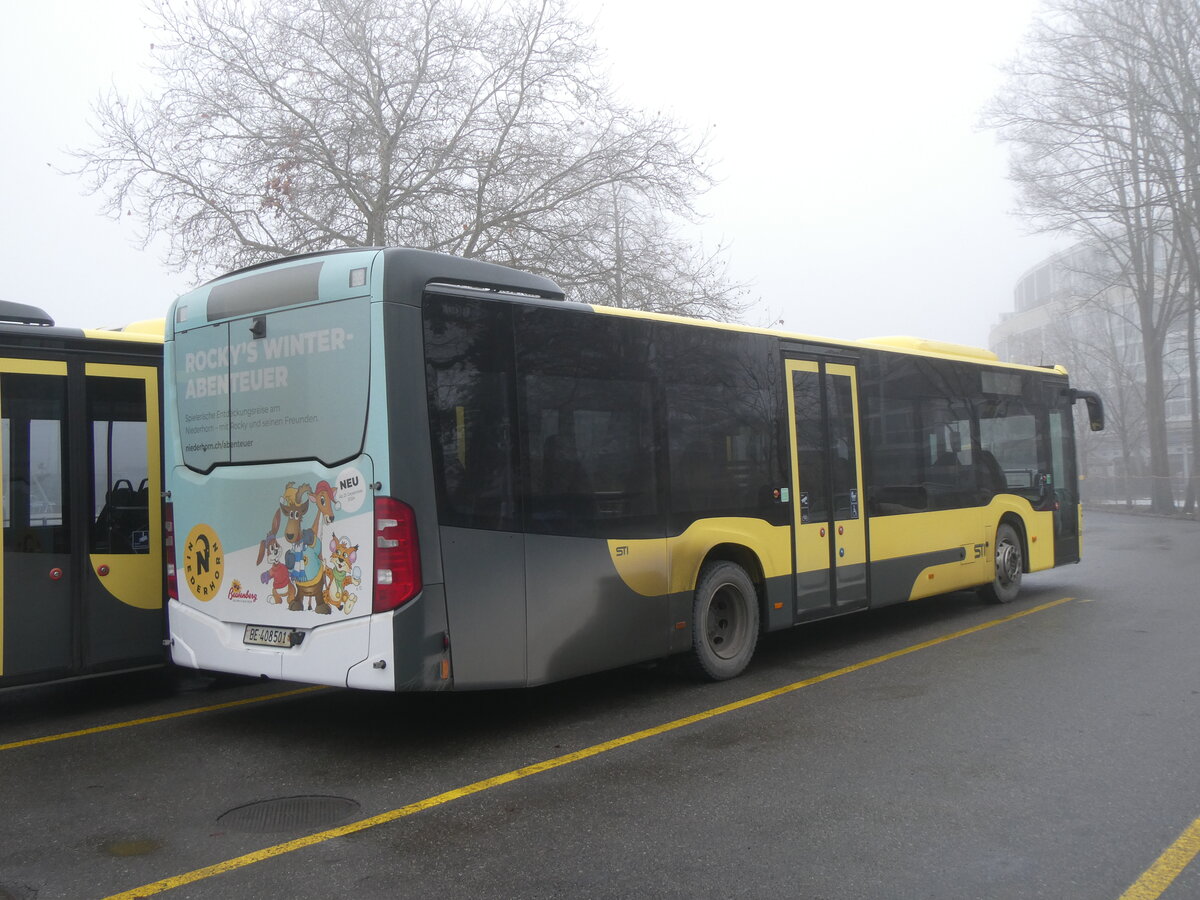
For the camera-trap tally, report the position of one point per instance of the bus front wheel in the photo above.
(724, 621)
(1010, 564)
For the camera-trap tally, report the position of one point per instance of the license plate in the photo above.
(268, 637)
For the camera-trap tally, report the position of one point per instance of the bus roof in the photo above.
(296, 280)
(912, 346)
(17, 335)
(409, 272)
(147, 330)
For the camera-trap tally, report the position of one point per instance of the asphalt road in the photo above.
(943, 749)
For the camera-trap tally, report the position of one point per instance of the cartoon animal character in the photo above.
(292, 505)
(324, 495)
(309, 574)
(309, 577)
(277, 574)
(297, 562)
(308, 584)
(343, 573)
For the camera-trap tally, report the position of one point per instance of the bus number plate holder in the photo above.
(269, 637)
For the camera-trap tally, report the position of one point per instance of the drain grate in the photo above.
(288, 814)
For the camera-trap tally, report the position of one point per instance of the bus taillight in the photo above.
(397, 554)
(169, 550)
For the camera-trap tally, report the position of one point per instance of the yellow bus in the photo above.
(81, 572)
(399, 470)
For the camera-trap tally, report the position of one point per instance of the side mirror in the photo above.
(1095, 407)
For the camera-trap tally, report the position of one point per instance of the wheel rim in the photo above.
(1008, 562)
(725, 624)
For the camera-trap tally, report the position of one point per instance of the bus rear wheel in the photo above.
(1010, 565)
(724, 621)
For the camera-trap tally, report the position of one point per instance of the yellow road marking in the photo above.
(248, 859)
(162, 718)
(1167, 867)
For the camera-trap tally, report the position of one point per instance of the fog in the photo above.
(857, 194)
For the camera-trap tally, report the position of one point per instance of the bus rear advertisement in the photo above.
(398, 470)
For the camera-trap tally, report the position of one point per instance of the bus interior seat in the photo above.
(126, 511)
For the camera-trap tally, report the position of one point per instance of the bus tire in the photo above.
(1010, 564)
(724, 621)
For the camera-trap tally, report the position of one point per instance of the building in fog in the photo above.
(1066, 312)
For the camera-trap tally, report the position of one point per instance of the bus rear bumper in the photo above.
(341, 654)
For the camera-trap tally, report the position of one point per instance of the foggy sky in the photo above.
(857, 192)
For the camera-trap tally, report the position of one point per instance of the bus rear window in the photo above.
(282, 385)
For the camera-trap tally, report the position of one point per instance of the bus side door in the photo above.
(123, 573)
(38, 621)
(829, 516)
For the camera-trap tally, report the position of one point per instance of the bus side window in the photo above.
(36, 516)
(590, 450)
(1009, 435)
(728, 449)
(468, 372)
(120, 492)
(587, 418)
(894, 458)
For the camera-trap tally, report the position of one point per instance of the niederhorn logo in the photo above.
(203, 562)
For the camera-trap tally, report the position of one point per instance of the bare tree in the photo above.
(1172, 27)
(1082, 111)
(1091, 339)
(1088, 324)
(450, 125)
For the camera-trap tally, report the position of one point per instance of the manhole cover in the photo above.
(288, 814)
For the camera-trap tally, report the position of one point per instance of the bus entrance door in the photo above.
(829, 526)
(122, 583)
(37, 618)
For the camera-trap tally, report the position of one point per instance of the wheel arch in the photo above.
(746, 558)
(1018, 525)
